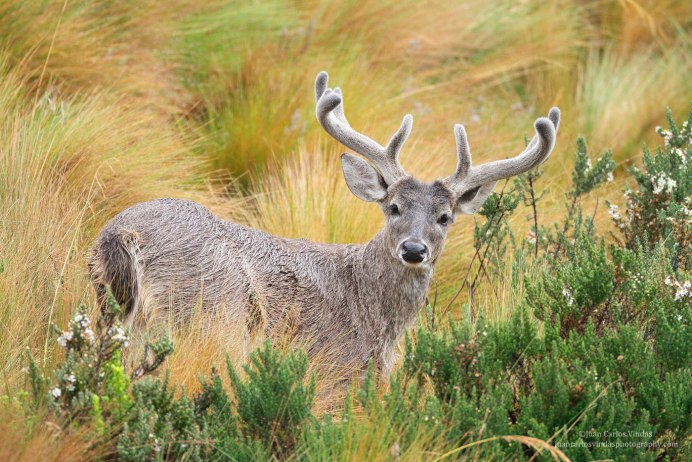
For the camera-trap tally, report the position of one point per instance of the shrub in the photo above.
(660, 208)
(274, 404)
(142, 418)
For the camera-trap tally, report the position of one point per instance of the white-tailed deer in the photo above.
(353, 302)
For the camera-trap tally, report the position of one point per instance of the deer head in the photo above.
(419, 214)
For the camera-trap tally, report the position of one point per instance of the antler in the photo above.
(330, 113)
(466, 177)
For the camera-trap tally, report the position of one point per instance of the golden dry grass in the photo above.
(41, 440)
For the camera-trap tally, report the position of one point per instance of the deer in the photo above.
(353, 301)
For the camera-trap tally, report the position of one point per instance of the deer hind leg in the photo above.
(255, 324)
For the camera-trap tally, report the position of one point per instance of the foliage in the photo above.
(148, 419)
(273, 403)
(91, 381)
(599, 342)
(660, 209)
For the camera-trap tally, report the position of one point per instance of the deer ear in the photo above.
(470, 201)
(362, 179)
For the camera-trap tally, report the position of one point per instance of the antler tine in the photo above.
(463, 152)
(399, 138)
(339, 110)
(554, 116)
(467, 177)
(330, 113)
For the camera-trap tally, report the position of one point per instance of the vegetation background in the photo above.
(108, 103)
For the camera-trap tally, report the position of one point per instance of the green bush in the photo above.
(273, 403)
(660, 208)
(146, 419)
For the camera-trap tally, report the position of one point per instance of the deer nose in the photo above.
(413, 251)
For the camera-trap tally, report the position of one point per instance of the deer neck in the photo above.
(390, 292)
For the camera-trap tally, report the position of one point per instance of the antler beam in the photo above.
(467, 177)
(330, 114)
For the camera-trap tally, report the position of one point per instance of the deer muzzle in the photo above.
(413, 251)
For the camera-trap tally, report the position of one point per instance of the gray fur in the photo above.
(348, 303)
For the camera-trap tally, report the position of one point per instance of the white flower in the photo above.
(56, 392)
(82, 320)
(531, 237)
(683, 290)
(610, 177)
(568, 296)
(70, 379)
(65, 338)
(117, 334)
(614, 212)
(88, 334)
(663, 183)
(588, 163)
(666, 134)
(681, 155)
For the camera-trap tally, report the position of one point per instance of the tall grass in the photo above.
(25, 440)
(67, 165)
(390, 57)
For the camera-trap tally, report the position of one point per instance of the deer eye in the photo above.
(444, 220)
(394, 210)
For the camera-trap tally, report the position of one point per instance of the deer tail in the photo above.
(116, 262)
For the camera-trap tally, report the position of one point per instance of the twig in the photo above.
(535, 213)
(593, 217)
(566, 227)
(490, 279)
(476, 254)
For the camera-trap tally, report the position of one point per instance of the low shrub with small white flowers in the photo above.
(659, 209)
(139, 418)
